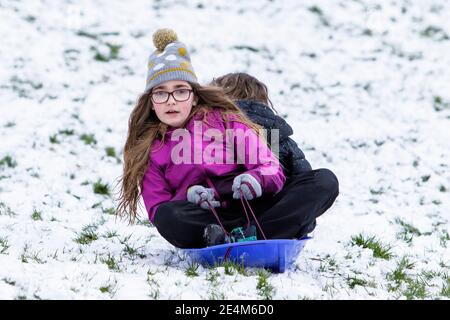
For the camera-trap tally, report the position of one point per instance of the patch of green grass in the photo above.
(9, 281)
(145, 222)
(67, 132)
(213, 276)
(110, 152)
(446, 288)
(327, 264)
(399, 275)
(111, 262)
(30, 18)
(101, 188)
(111, 211)
(82, 33)
(99, 56)
(316, 10)
(444, 238)
(88, 139)
(37, 215)
(113, 50)
(214, 293)
(111, 234)
(265, 290)
(23, 87)
(434, 32)
(154, 285)
(4, 245)
(192, 269)
(354, 281)
(170, 259)
(110, 287)
(231, 267)
(372, 243)
(376, 191)
(367, 32)
(330, 288)
(8, 161)
(104, 288)
(429, 274)
(32, 173)
(96, 205)
(54, 139)
(9, 124)
(87, 235)
(5, 210)
(131, 251)
(439, 104)
(112, 55)
(30, 255)
(408, 231)
(416, 288)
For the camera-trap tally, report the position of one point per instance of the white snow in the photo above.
(364, 84)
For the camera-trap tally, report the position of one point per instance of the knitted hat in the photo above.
(170, 61)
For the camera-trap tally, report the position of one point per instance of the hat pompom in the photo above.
(162, 37)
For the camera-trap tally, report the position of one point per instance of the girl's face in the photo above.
(172, 102)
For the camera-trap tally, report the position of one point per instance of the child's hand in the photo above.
(201, 196)
(248, 185)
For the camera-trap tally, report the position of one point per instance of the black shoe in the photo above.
(213, 235)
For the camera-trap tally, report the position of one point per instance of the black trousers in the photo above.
(291, 213)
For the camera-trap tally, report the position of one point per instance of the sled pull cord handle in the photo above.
(253, 214)
(216, 215)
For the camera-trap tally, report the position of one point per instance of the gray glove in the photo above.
(248, 185)
(198, 194)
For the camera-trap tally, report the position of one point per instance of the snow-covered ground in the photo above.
(364, 84)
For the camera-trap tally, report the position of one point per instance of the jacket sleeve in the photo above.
(259, 160)
(292, 158)
(155, 189)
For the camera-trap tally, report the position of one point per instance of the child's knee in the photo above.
(165, 215)
(168, 224)
(328, 182)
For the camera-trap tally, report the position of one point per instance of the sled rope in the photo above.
(253, 214)
(216, 215)
(244, 202)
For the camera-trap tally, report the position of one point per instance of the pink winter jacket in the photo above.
(199, 153)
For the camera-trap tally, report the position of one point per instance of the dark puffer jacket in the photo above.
(291, 157)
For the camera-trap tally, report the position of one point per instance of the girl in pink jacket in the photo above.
(194, 157)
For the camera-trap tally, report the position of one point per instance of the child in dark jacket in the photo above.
(252, 97)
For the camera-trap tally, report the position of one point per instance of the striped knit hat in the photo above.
(170, 61)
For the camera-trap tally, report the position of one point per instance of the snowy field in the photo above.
(365, 85)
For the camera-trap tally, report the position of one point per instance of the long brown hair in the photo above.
(242, 86)
(144, 127)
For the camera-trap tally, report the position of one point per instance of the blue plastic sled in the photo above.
(276, 254)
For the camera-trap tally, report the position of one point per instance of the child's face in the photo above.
(178, 106)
